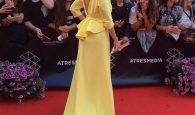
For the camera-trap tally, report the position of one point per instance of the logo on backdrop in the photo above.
(174, 54)
(112, 63)
(30, 59)
(66, 63)
(146, 60)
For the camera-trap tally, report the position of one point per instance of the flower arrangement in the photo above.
(182, 76)
(20, 81)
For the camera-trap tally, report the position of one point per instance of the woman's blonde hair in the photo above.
(184, 4)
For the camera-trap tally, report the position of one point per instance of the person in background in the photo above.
(12, 23)
(65, 24)
(4, 9)
(187, 20)
(62, 19)
(120, 15)
(143, 16)
(186, 23)
(35, 16)
(170, 14)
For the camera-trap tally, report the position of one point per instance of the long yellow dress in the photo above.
(91, 89)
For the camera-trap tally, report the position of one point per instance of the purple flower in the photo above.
(193, 90)
(20, 96)
(186, 61)
(28, 93)
(1, 82)
(167, 81)
(193, 59)
(18, 80)
(182, 75)
(12, 84)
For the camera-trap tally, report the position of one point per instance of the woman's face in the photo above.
(144, 3)
(189, 2)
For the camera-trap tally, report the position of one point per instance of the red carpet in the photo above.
(144, 100)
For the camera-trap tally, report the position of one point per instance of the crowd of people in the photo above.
(46, 20)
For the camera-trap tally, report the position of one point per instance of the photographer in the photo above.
(143, 17)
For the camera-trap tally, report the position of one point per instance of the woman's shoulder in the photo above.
(177, 8)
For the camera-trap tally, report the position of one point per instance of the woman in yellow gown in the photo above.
(91, 89)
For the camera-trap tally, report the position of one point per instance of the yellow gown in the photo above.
(91, 88)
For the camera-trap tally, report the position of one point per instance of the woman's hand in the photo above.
(39, 33)
(10, 19)
(116, 45)
(172, 29)
(116, 24)
(139, 16)
(176, 30)
(18, 18)
(183, 26)
(122, 22)
(64, 28)
(5, 9)
(119, 23)
(168, 29)
(64, 35)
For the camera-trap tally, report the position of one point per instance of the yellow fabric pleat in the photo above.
(91, 89)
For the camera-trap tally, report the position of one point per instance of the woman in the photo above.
(35, 16)
(91, 88)
(169, 15)
(12, 23)
(143, 17)
(187, 20)
(120, 15)
(186, 23)
(65, 24)
(4, 9)
(62, 19)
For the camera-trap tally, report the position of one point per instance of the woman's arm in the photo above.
(72, 26)
(169, 29)
(161, 28)
(48, 3)
(30, 26)
(147, 24)
(135, 19)
(75, 8)
(105, 8)
(135, 26)
(81, 17)
(114, 37)
(5, 9)
(67, 28)
(35, 29)
(19, 18)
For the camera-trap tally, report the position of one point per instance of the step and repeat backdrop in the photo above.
(132, 65)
